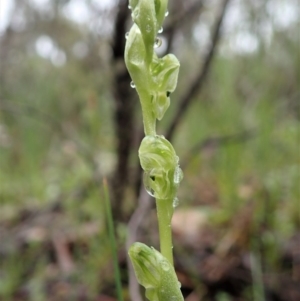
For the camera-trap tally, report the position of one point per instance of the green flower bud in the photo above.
(135, 55)
(160, 163)
(160, 7)
(165, 74)
(157, 152)
(160, 10)
(155, 273)
(143, 14)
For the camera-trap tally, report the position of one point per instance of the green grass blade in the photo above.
(112, 240)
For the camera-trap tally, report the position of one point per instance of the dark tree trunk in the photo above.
(124, 111)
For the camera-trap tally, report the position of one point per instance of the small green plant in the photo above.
(154, 79)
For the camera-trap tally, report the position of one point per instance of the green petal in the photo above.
(144, 16)
(165, 72)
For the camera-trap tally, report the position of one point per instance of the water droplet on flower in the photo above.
(132, 85)
(166, 13)
(178, 175)
(175, 202)
(160, 30)
(126, 35)
(157, 42)
(165, 265)
(129, 6)
(148, 28)
(147, 183)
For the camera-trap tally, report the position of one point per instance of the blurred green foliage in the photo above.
(57, 142)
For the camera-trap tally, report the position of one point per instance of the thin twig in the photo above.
(216, 142)
(183, 16)
(198, 82)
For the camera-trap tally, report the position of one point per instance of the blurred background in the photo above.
(69, 119)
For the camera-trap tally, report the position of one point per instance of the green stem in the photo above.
(148, 116)
(164, 216)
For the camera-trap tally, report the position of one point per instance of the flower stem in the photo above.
(164, 215)
(149, 119)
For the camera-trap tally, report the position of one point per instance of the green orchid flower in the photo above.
(165, 74)
(160, 163)
(155, 273)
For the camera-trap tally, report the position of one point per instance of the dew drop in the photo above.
(165, 265)
(129, 6)
(147, 183)
(166, 13)
(157, 43)
(160, 30)
(126, 35)
(178, 175)
(148, 28)
(132, 85)
(175, 202)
